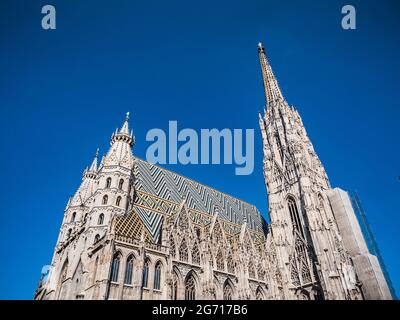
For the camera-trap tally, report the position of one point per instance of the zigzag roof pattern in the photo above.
(173, 187)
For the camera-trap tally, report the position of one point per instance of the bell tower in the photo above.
(303, 227)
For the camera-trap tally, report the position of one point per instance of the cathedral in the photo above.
(134, 230)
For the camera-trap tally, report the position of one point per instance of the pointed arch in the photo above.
(157, 275)
(176, 283)
(294, 215)
(73, 216)
(146, 267)
(260, 294)
(105, 199)
(190, 286)
(228, 290)
(115, 267)
(118, 201)
(100, 221)
(120, 184)
(62, 277)
(108, 183)
(129, 269)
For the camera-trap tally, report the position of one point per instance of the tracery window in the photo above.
(190, 288)
(118, 202)
(120, 184)
(129, 270)
(73, 216)
(220, 261)
(101, 219)
(294, 216)
(175, 281)
(108, 183)
(228, 292)
(195, 254)
(105, 199)
(183, 251)
(115, 267)
(157, 276)
(145, 274)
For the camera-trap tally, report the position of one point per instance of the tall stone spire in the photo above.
(271, 86)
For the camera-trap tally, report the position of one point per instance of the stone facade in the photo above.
(136, 231)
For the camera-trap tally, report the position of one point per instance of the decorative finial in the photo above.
(97, 153)
(127, 116)
(260, 45)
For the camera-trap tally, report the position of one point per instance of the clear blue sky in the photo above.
(63, 92)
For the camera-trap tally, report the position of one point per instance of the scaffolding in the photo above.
(370, 238)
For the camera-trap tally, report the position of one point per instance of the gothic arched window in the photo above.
(175, 281)
(115, 267)
(96, 238)
(195, 254)
(120, 184)
(73, 216)
(108, 183)
(129, 270)
(63, 276)
(145, 274)
(228, 292)
(294, 215)
(259, 294)
(105, 199)
(69, 233)
(118, 202)
(183, 251)
(220, 261)
(64, 270)
(190, 288)
(157, 276)
(101, 219)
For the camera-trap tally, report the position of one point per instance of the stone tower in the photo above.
(322, 250)
(303, 226)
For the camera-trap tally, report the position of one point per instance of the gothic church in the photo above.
(134, 230)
